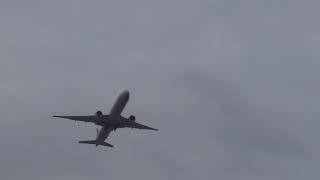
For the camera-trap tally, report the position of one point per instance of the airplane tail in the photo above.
(95, 142)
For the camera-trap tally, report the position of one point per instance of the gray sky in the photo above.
(232, 86)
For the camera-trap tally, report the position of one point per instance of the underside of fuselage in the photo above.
(113, 120)
(119, 105)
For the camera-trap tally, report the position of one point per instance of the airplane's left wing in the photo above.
(78, 118)
(132, 124)
(140, 126)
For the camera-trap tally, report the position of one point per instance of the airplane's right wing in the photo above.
(78, 118)
(95, 142)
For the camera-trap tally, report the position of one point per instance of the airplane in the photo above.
(110, 122)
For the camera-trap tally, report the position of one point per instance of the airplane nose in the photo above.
(126, 94)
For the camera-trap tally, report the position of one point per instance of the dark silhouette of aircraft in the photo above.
(110, 122)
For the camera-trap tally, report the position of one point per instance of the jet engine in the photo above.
(98, 114)
(98, 118)
(132, 118)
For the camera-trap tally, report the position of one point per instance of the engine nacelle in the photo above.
(98, 118)
(132, 118)
(98, 114)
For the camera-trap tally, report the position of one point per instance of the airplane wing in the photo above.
(78, 118)
(135, 125)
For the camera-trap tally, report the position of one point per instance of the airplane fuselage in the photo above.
(118, 106)
(114, 118)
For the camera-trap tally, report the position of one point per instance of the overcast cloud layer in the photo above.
(232, 86)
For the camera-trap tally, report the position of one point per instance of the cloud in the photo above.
(232, 86)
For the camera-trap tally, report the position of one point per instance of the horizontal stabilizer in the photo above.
(95, 142)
